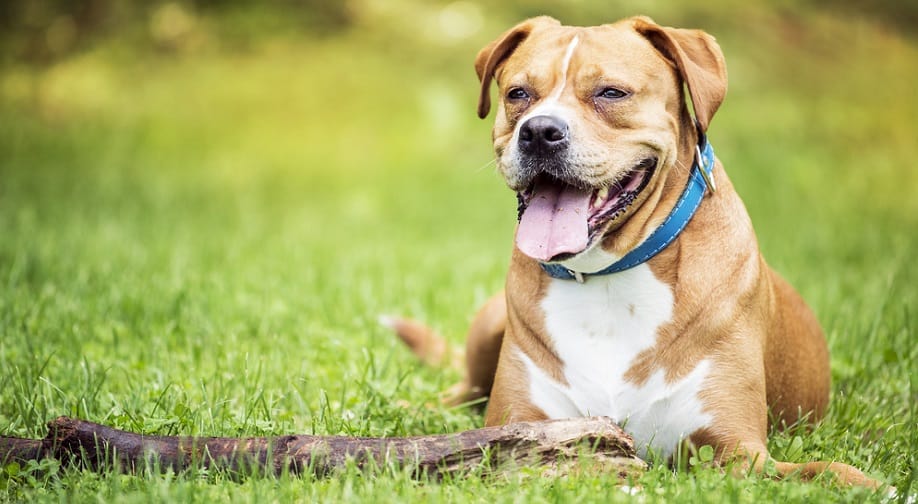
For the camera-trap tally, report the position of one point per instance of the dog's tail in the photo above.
(483, 342)
(424, 342)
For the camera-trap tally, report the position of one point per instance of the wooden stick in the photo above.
(556, 444)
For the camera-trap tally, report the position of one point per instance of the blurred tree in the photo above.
(901, 14)
(39, 31)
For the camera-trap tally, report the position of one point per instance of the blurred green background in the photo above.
(205, 205)
(237, 93)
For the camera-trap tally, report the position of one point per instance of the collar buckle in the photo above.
(703, 168)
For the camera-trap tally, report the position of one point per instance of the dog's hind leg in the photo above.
(482, 348)
(755, 456)
(483, 343)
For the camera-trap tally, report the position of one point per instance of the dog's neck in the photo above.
(597, 261)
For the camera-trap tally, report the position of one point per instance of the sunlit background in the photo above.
(236, 93)
(204, 205)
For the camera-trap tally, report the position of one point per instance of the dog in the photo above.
(636, 289)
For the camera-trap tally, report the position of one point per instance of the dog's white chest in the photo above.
(598, 329)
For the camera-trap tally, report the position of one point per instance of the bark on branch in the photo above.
(556, 444)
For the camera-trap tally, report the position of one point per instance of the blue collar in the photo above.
(701, 178)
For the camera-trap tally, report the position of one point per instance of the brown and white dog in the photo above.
(696, 344)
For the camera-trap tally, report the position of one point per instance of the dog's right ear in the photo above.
(699, 61)
(493, 54)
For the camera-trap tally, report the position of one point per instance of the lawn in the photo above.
(198, 238)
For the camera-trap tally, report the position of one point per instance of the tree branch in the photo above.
(555, 443)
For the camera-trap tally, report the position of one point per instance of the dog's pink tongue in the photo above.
(555, 222)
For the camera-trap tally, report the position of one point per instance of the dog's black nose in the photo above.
(543, 135)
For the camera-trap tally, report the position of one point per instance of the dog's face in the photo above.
(588, 125)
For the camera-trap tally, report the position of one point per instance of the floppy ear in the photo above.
(493, 54)
(699, 60)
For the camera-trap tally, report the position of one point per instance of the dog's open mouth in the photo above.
(558, 219)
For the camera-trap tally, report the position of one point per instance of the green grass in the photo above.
(200, 243)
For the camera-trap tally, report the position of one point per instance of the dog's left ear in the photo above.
(699, 60)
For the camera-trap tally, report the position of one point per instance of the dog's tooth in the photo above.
(601, 196)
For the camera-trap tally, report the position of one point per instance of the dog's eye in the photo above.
(612, 94)
(517, 94)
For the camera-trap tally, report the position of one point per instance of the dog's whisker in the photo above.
(491, 163)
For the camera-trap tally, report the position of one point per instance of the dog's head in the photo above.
(591, 122)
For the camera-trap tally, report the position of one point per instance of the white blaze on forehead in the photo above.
(565, 64)
(550, 105)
